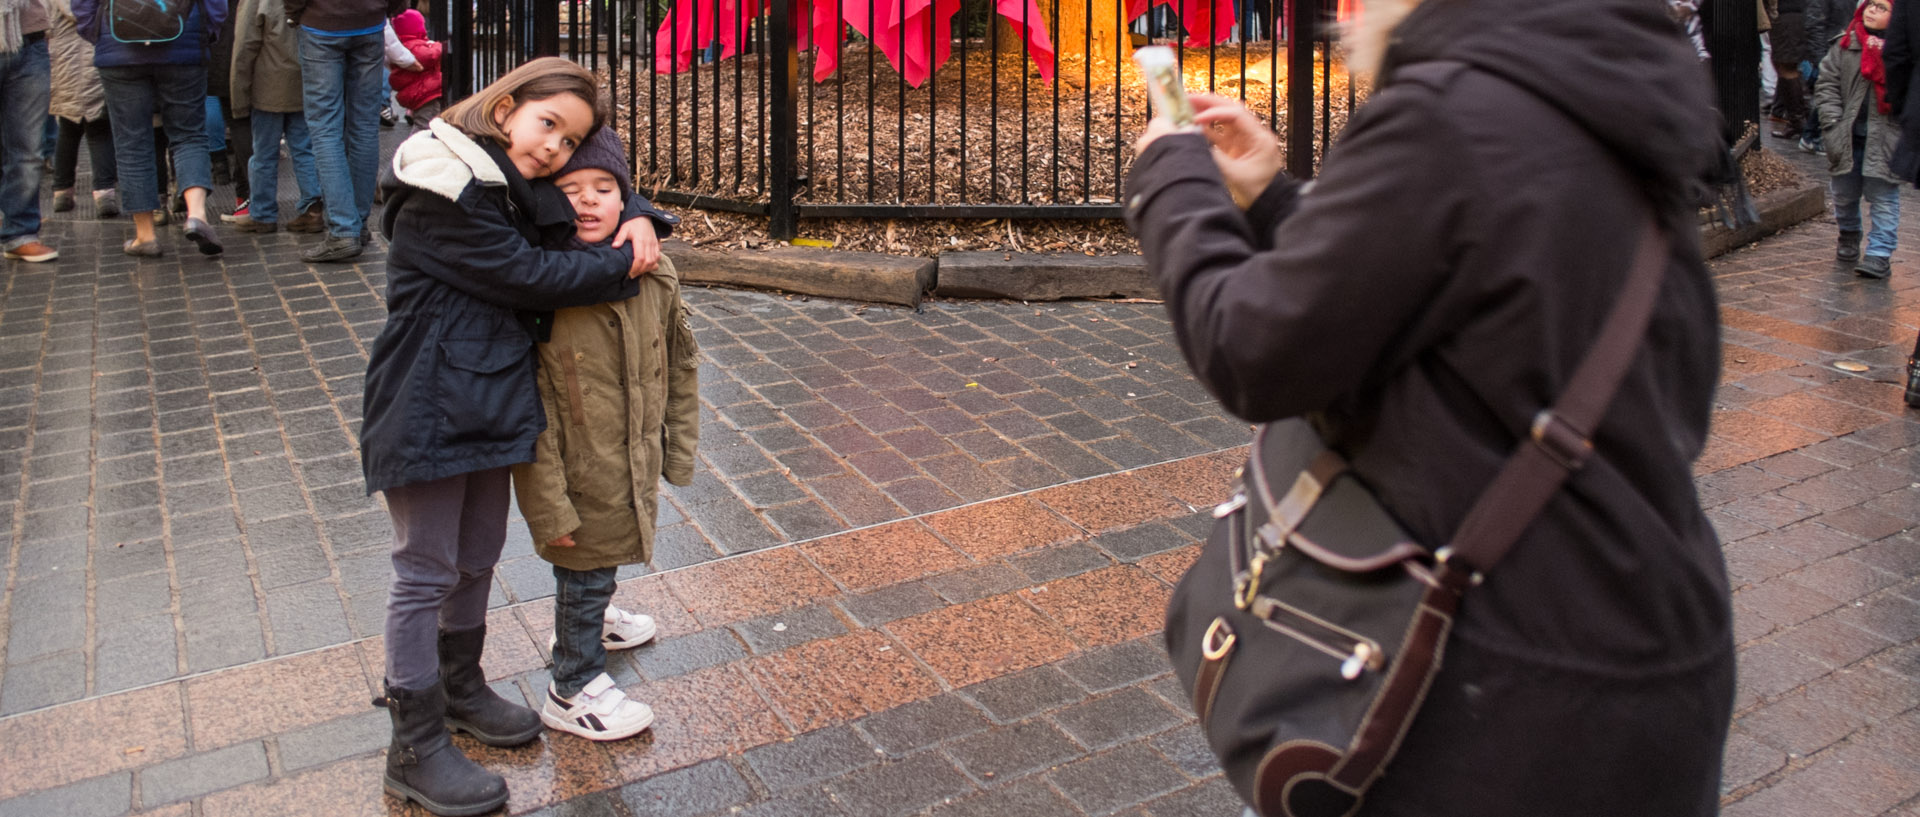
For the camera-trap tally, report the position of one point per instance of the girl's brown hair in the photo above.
(540, 79)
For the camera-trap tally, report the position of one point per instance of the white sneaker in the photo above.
(624, 630)
(620, 630)
(600, 712)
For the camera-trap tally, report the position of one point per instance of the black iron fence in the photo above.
(907, 108)
(796, 109)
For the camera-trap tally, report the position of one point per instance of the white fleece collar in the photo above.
(443, 160)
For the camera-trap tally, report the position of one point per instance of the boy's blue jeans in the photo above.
(26, 89)
(579, 611)
(264, 168)
(1883, 204)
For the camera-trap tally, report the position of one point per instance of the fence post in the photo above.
(1733, 39)
(455, 21)
(1303, 21)
(783, 129)
(546, 28)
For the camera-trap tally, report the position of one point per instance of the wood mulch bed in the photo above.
(985, 128)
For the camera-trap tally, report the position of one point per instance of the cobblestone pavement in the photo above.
(922, 566)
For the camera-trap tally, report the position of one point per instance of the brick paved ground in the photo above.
(922, 567)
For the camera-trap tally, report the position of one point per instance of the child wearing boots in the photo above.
(1859, 135)
(620, 385)
(452, 400)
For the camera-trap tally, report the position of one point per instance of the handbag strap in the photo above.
(1561, 437)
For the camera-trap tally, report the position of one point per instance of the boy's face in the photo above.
(596, 201)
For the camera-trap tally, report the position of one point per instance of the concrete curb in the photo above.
(1778, 211)
(904, 280)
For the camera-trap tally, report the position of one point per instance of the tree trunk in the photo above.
(1076, 38)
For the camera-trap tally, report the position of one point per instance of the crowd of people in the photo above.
(171, 98)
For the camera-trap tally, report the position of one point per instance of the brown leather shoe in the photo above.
(32, 251)
(311, 221)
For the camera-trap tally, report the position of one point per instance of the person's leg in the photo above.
(365, 72)
(263, 172)
(482, 532)
(323, 80)
(300, 149)
(424, 115)
(130, 112)
(240, 150)
(579, 608)
(422, 762)
(183, 114)
(1883, 211)
(25, 92)
(215, 117)
(105, 168)
(66, 157)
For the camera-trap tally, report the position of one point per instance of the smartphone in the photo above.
(1165, 89)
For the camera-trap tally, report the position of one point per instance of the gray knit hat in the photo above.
(602, 151)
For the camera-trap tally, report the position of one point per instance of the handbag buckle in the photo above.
(1567, 445)
(1218, 641)
(1246, 587)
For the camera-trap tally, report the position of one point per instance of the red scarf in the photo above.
(1871, 65)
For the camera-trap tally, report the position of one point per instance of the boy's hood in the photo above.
(1620, 68)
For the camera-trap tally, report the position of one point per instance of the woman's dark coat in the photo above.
(1429, 292)
(450, 380)
(1903, 40)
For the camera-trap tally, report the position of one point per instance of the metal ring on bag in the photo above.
(1208, 647)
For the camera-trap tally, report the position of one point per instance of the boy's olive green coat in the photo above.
(620, 384)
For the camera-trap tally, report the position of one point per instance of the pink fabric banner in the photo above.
(915, 35)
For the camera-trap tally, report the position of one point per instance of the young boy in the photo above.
(1859, 134)
(620, 387)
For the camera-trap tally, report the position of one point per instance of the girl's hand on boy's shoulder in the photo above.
(646, 245)
(565, 541)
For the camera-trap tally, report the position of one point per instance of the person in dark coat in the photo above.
(1899, 53)
(1789, 109)
(1422, 298)
(1823, 22)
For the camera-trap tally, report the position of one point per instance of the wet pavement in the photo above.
(922, 565)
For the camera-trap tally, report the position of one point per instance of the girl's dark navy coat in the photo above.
(450, 381)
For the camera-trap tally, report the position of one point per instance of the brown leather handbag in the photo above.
(1309, 629)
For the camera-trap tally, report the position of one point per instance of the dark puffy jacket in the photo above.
(450, 380)
(342, 15)
(1825, 20)
(190, 48)
(1425, 297)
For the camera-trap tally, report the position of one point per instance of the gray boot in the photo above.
(472, 706)
(424, 766)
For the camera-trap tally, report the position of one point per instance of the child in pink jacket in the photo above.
(418, 88)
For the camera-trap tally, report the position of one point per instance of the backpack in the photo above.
(147, 22)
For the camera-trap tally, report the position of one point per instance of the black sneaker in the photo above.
(387, 119)
(1874, 266)
(334, 248)
(1848, 248)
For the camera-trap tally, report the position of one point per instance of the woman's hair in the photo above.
(540, 79)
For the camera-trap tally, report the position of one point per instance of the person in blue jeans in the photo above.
(267, 90)
(342, 48)
(1859, 135)
(168, 78)
(26, 89)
